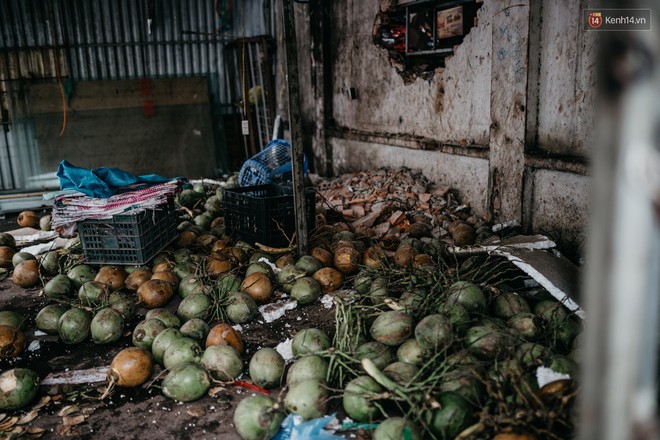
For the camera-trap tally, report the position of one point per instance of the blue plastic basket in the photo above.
(272, 164)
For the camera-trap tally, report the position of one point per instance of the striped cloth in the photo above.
(74, 207)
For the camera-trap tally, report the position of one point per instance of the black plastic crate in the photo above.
(265, 213)
(128, 238)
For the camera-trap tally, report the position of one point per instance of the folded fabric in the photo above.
(101, 182)
(72, 208)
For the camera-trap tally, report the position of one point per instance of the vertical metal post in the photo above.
(619, 365)
(297, 157)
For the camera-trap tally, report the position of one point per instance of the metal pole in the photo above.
(619, 365)
(295, 126)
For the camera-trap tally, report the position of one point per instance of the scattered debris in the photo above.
(91, 375)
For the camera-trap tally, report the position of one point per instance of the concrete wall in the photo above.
(507, 122)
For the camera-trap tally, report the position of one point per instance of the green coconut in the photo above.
(309, 341)
(182, 350)
(74, 326)
(307, 398)
(222, 362)
(453, 415)
(467, 294)
(380, 354)
(267, 368)
(60, 286)
(525, 324)
(146, 331)
(50, 263)
(241, 308)
(487, 342)
(362, 282)
(93, 293)
(411, 352)
(434, 332)
(18, 387)
(257, 417)
(81, 274)
(396, 428)
(509, 304)
(196, 305)
(392, 328)
(378, 291)
(19, 257)
(401, 372)
(308, 264)
(48, 318)
(186, 382)
(229, 283)
(191, 284)
(12, 319)
(306, 290)
(167, 316)
(195, 328)
(162, 341)
(107, 326)
(123, 304)
(6, 239)
(358, 399)
(307, 367)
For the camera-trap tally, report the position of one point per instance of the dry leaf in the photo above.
(34, 432)
(27, 418)
(62, 430)
(215, 390)
(195, 411)
(69, 409)
(45, 400)
(71, 421)
(8, 423)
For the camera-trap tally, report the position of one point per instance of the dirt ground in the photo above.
(75, 410)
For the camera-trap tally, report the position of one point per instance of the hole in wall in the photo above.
(420, 34)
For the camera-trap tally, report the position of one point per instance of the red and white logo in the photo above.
(595, 19)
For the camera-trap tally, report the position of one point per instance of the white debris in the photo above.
(275, 269)
(285, 350)
(39, 333)
(276, 310)
(327, 301)
(37, 249)
(237, 327)
(545, 375)
(34, 345)
(90, 375)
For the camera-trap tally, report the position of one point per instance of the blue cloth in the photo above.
(101, 182)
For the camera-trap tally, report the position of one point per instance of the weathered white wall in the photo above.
(559, 204)
(567, 80)
(453, 107)
(507, 122)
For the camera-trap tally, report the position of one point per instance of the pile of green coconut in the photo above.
(427, 344)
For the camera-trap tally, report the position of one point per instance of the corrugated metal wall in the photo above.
(111, 39)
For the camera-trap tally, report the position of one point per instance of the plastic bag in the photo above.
(294, 428)
(272, 164)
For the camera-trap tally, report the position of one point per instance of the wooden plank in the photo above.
(120, 94)
(508, 103)
(295, 124)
